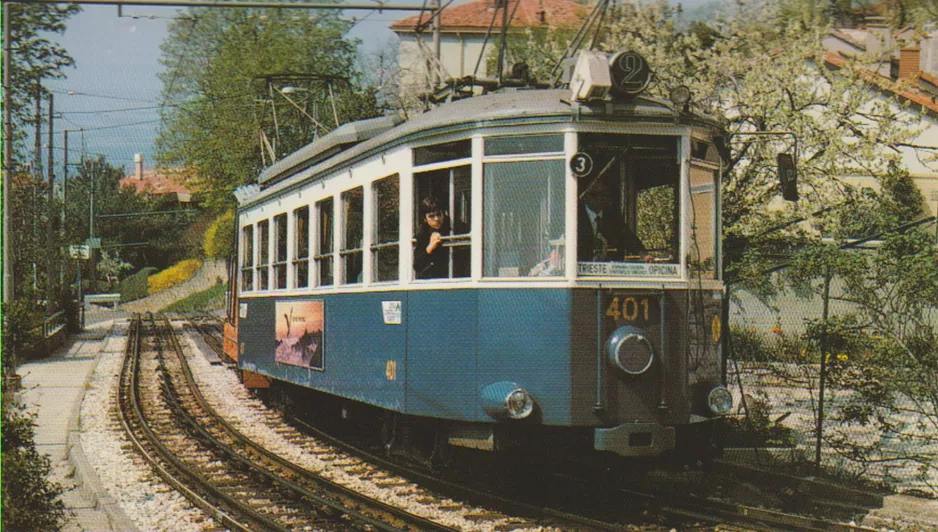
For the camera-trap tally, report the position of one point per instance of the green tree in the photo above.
(219, 238)
(34, 58)
(226, 115)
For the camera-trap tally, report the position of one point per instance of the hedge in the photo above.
(135, 286)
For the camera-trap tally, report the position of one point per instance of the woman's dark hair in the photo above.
(428, 205)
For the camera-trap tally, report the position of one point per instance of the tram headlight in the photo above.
(629, 350)
(520, 404)
(507, 400)
(720, 401)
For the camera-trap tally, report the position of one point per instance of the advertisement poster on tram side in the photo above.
(300, 333)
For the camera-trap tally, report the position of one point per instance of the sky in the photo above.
(113, 91)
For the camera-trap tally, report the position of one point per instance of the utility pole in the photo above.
(64, 176)
(8, 293)
(51, 242)
(92, 275)
(37, 154)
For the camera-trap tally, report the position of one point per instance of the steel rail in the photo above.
(128, 374)
(472, 495)
(738, 514)
(234, 4)
(407, 518)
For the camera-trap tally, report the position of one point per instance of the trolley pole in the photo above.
(437, 73)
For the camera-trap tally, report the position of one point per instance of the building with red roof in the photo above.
(462, 33)
(907, 71)
(156, 182)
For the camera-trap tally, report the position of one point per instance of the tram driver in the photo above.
(603, 234)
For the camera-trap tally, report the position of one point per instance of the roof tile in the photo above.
(478, 15)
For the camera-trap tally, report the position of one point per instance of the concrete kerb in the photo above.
(89, 484)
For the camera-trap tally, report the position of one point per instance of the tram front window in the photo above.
(628, 208)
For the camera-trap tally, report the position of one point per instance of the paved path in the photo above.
(207, 276)
(53, 388)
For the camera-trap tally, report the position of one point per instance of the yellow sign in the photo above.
(390, 371)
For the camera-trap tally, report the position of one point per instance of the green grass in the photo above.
(211, 299)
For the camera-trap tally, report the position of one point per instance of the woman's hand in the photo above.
(435, 240)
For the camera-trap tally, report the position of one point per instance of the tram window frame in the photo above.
(352, 249)
(301, 247)
(280, 251)
(457, 201)
(263, 255)
(385, 241)
(325, 229)
(247, 258)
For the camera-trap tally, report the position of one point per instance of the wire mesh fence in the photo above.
(819, 392)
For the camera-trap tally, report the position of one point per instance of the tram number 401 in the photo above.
(628, 308)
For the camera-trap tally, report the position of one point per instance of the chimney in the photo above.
(909, 62)
(138, 164)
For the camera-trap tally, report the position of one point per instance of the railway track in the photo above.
(239, 484)
(672, 507)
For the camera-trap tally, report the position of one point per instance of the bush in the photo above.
(747, 344)
(173, 275)
(135, 286)
(30, 500)
(219, 238)
(20, 320)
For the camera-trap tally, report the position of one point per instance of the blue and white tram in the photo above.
(538, 330)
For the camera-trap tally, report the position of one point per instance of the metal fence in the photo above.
(858, 424)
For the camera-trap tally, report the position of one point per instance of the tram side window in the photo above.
(301, 247)
(324, 242)
(263, 248)
(384, 248)
(524, 219)
(442, 222)
(247, 258)
(703, 214)
(353, 203)
(280, 251)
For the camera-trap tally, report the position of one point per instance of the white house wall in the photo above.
(459, 53)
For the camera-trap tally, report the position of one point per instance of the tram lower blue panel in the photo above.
(525, 338)
(441, 349)
(448, 345)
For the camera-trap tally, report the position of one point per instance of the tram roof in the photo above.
(351, 142)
